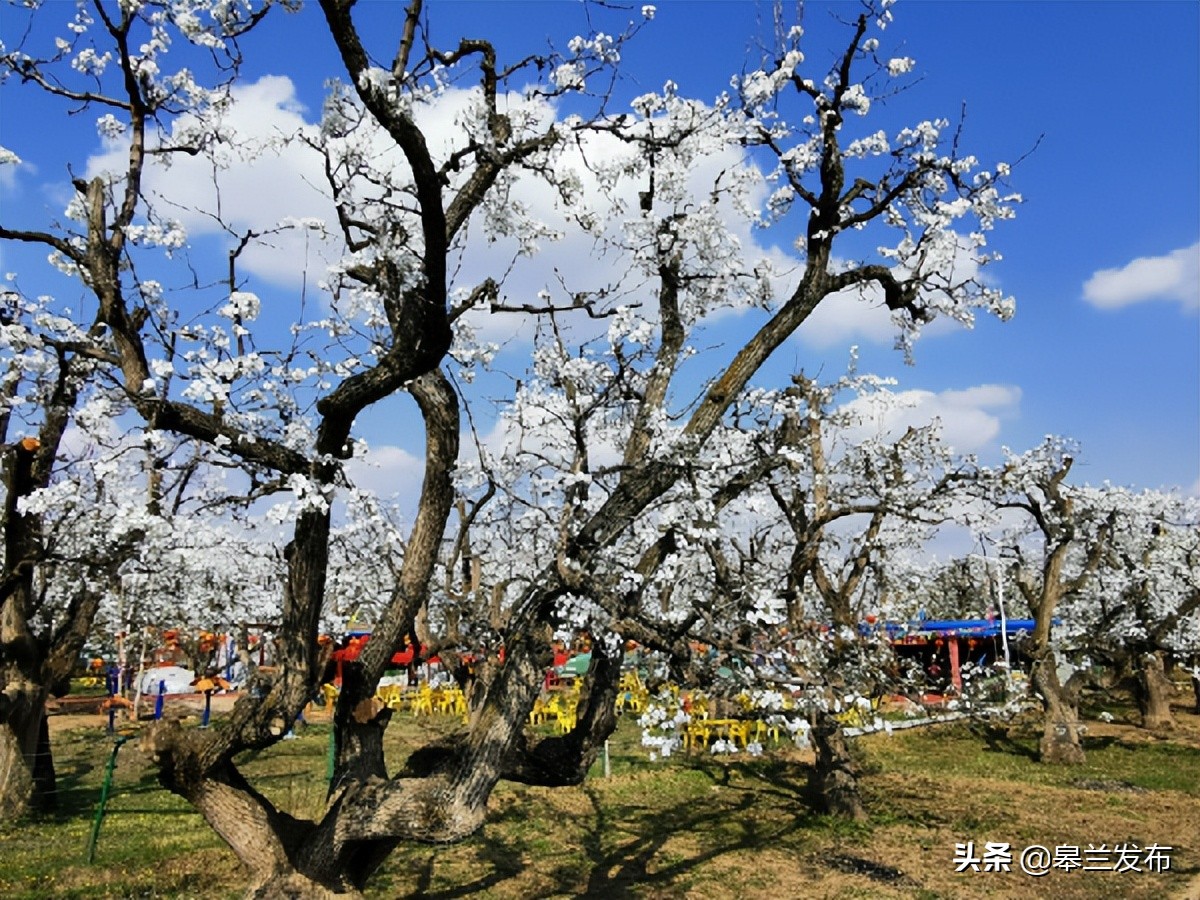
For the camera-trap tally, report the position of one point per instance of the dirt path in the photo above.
(183, 706)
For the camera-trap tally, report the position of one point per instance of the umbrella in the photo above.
(208, 684)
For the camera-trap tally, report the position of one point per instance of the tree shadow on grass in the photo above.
(499, 860)
(75, 794)
(629, 848)
(999, 739)
(499, 855)
(79, 774)
(751, 823)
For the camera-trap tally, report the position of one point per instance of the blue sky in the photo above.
(1102, 257)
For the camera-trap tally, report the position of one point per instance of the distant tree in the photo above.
(840, 514)
(1059, 541)
(50, 496)
(1141, 612)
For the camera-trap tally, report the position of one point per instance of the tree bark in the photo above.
(24, 738)
(27, 777)
(1060, 742)
(294, 886)
(1154, 692)
(833, 783)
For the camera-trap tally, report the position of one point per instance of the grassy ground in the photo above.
(690, 827)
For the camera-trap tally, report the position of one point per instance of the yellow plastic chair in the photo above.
(739, 732)
(630, 682)
(330, 693)
(422, 704)
(446, 702)
(400, 697)
(857, 716)
(765, 730)
(697, 735)
(537, 715)
(567, 719)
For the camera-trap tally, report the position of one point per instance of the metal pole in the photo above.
(108, 778)
(1003, 618)
(331, 753)
(1003, 630)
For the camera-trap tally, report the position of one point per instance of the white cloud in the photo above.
(14, 170)
(8, 176)
(859, 314)
(970, 418)
(541, 434)
(846, 317)
(391, 473)
(1174, 277)
(267, 181)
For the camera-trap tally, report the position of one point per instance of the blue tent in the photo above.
(974, 627)
(978, 628)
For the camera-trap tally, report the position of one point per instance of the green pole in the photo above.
(332, 754)
(104, 790)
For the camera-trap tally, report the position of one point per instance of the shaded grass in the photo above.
(697, 827)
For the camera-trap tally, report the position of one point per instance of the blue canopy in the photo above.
(967, 627)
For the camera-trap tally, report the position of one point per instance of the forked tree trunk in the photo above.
(833, 784)
(1154, 692)
(1060, 742)
(440, 796)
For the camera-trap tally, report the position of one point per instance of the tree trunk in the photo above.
(833, 784)
(27, 778)
(1060, 742)
(1154, 692)
(293, 886)
(440, 796)
(26, 766)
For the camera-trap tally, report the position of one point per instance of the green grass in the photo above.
(978, 751)
(698, 826)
